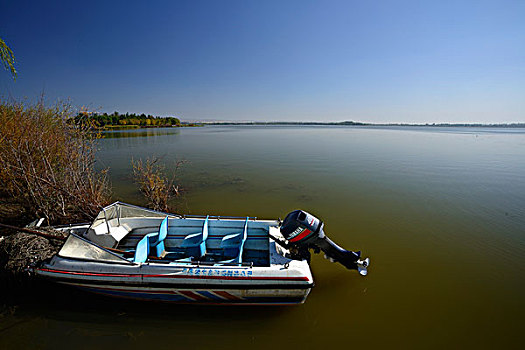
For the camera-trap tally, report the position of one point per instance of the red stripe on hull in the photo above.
(192, 295)
(225, 295)
(265, 278)
(149, 291)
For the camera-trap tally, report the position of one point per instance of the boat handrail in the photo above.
(204, 263)
(218, 217)
(212, 263)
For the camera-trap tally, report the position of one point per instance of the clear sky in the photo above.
(374, 61)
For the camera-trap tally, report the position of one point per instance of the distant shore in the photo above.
(351, 123)
(117, 121)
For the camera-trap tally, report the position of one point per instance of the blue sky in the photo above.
(373, 61)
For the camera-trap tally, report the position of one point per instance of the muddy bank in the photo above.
(21, 250)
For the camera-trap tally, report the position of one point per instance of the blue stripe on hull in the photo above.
(210, 295)
(137, 295)
(178, 298)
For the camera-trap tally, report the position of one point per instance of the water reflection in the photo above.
(144, 132)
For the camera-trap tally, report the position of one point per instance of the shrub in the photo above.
(47, 164)
(154, 184)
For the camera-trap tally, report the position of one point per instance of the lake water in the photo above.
(440, 212)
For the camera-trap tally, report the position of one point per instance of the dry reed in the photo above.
(154, 184)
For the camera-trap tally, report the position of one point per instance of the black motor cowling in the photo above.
(304, 231)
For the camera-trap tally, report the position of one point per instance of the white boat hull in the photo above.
(192, 284)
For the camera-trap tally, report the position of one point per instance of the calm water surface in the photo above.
(440, 211)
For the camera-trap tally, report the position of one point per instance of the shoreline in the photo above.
(350, 123)
(126, 127)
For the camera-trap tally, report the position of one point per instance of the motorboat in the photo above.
(134, 252)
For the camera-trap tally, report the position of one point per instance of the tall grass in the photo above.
(47, 163)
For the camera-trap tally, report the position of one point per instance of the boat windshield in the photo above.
(78, 248)
(118, 210)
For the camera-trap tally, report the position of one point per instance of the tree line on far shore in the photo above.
(128, 119)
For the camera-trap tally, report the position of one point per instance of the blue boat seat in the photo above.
(233, 245)
(142, 250)
(160, 249)
(152, 240)
(193, 245)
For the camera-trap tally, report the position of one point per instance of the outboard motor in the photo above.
(303, 231)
